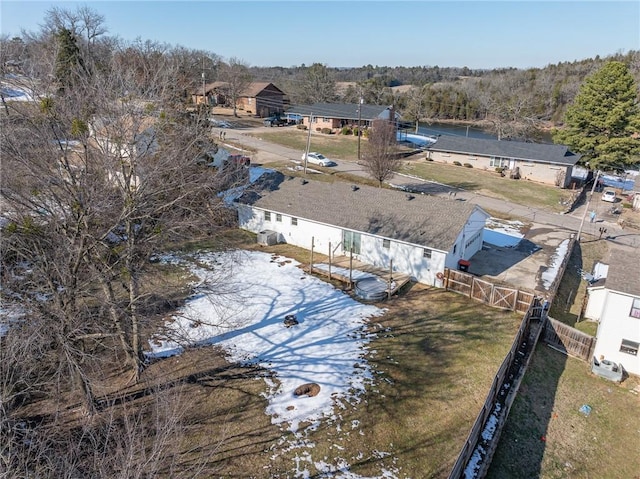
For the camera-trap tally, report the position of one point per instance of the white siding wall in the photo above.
(616, 324)
(469, 241)
(407, 258)
(595, 303)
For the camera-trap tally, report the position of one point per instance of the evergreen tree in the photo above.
(68, 60)
(604, 120)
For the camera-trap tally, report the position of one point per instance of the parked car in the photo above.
(609, 195)
(219, 123)
(318, 159)
(275, 121)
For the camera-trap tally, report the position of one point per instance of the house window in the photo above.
(267, 215)
(635, 308)
(294, 221)
(498, 162)
(351, 241)
(455, 248)
(629, 347)
(426, 253)
(278, 217)
(386, 243)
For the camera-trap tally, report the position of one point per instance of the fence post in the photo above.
(312, 246)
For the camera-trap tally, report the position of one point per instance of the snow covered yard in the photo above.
(246, 319)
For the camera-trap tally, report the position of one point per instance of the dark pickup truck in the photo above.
(275, 121)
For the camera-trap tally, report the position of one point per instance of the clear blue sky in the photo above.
(476, 34)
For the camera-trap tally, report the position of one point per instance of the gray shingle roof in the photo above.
(624, 271)
(537, 152)
(343, 111)
(423, 220)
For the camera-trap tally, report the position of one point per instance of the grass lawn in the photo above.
(490, 183)
(573, 289)
(546, 435)
(472, 179)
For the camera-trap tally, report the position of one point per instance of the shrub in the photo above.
(301, 127)
(326, 131)
(346, 130)
(499, 169)
(468, 165)
(318, 129)
(457, 163)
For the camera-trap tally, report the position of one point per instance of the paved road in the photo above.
(267, 152)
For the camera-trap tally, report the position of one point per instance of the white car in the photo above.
(318, 159)
(609, 195)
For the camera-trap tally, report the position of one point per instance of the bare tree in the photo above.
(94, 182)
(380, 152)
(235, 73)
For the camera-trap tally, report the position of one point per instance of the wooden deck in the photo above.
(342, 263)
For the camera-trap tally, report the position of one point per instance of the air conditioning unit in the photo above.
(268, 237)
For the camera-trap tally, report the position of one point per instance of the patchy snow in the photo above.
(255, 172)
(326, 347)
(549, 275)
(14, 88)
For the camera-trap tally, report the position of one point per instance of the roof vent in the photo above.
(355, 187)
(409, 197)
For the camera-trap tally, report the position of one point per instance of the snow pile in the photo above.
(549, 275)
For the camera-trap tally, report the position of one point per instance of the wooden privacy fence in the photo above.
(500, 397)
(497, 296)
(568, 340)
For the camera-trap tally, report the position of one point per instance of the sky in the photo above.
(475, 34)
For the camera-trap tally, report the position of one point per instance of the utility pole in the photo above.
(586, 208)
(306, 151)
(204, 92)
(359, 125)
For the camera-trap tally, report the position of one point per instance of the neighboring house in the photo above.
(421, 234)
(338, 115)
(259, 98)
(125, 137)
(550, 164)
(262, 98)
(614, 301)
(210, 94)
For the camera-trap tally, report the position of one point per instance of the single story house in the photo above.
(338, 115)
(421, 234)
(544, 163)
(614, 301)
(210, 94)
(260, 98)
